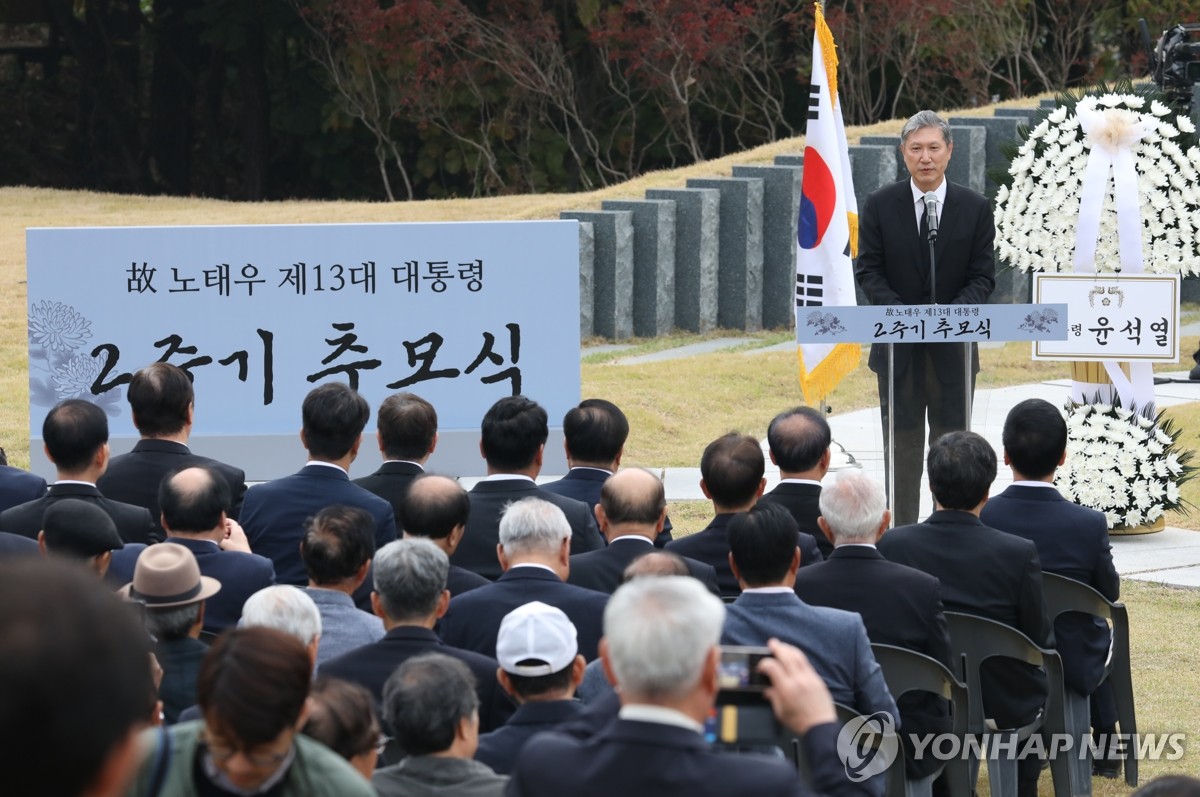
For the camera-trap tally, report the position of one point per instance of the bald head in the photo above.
(193, 502)
(435, 507)
(799, 441)
(632, 501)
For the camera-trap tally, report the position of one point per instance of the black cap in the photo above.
(79, 528)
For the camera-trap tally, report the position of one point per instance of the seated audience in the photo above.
(337, 549)
(540, 667)
(798, 441)
(168, 584)
(18, 486)
(162, 404)
(982, 571)
(764, 558)
(410, 595)
(406, 430)
(512, 440)
(660, 645)
(341, 716)
(76, 441)
(899, 605)
(431, 706)
(1071, 541)
(437, 508)
(534, 552)
(631, 510)
(192, 503)
(253, 693)
(75, 682)
(732, 478)
(80, 531)
(273, 514)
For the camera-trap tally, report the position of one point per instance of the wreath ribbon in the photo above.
(1112, 134)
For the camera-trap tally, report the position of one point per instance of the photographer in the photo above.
(660, 647)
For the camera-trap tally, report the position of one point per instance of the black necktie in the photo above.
(924, 233)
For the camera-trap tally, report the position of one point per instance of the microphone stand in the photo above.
(968, 392)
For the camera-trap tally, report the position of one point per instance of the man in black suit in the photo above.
(1071, 541)
(899, 605)
(731, 471)
(193, 505)
(75, 434)
(798, 442)
(162, 402)
(410, 595)
(437, 509)
(631, 511)
(984, 572)
(82, 532)
(894, 268)
(273, 514)
(594, 435)
(406, 430)
(661, 648)
(18, 486)
(534, 550)
(512, 441)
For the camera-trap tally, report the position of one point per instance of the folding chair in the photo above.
(907, 671)
(977, 639)
(1064, 594)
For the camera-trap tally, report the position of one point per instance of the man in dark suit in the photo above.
(534, 550)
(631, 511)
(594, 435)
(661, 646)
(731, 471)
(764, 558)
(406, 430)
(798, 441)
(273, 514)
(540, 667)
(410, 595)
(894, 268)
(18, 486)
(163, 405)
(899, 605)
(437, 508)
(1071, 541)
(193, 505)
(984, 572)
(75, 434)
(512, 441)
(81, 532)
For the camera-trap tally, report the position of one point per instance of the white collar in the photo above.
(547, 568)
(870, 545)
(605, 471)
(767, 590)
(74, 481)
(632, 537)
(496, 477)
(800, 481)
(661, 715)
(1033, 484)
(325, 465)
(919, 195)
(406, 462)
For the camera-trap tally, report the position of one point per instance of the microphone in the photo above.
(931, 214)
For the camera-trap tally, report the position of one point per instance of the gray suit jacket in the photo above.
(835, 642)
(344, 626)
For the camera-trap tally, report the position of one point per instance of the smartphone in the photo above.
(738, 670)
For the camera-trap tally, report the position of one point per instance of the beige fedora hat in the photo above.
(167, 575)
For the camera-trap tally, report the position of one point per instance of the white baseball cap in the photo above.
(536, 639)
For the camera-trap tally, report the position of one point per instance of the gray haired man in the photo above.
(410, 596)
(900, 224)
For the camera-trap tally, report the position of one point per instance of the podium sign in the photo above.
(1123, 318)
(933, 323)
